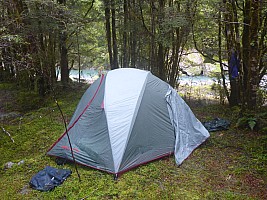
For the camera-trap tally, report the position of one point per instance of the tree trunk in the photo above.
(160, 56)
(114, 36)
(263, 47)
(63, 52)
(253, 72)
(153, 49)
(133, 35)
(160, 62)
(125, 62)
(108, 31)
(231, 49)
(245, 51)
(64, 58)
(220, 55)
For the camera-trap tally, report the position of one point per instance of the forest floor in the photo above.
(231, 164)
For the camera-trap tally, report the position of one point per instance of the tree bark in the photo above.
(253, 72)
(64, 58)
(125, 62)
(231, 49)
(108, 31)
(115, 64)
(160, 56)
(63, 51)
(153, 48)
(263, 47)
(220, 55)
(245, 51)
(133, 35)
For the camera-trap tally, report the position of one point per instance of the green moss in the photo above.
(229, 165)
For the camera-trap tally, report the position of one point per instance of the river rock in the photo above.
(8, 165)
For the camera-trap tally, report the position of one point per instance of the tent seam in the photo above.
(134, 116)
(87, 106)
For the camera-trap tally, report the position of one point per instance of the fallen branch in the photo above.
(4, 130)
(67, 133)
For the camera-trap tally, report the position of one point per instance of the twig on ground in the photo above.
(20, 122)
(4, 130)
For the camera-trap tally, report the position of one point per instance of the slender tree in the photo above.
(111, 32)
(253, 72)
(231, 45)
(115, 64)
(63, 49)
(108, 30)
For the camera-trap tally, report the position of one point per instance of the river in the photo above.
(90, 75)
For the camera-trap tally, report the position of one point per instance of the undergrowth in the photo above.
(231, 164)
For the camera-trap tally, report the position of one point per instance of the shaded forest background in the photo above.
(37, 36)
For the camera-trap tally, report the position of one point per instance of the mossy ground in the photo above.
(231, 164)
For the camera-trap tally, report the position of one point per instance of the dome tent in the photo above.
(126, 118)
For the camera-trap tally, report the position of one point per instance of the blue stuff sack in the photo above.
(49, 178)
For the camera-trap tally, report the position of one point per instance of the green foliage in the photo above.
(89, 32)
(264, 130)
(7, 86)
(172, 21)
(23, 79)
(17, 39)
(253, 121)
(218, 89)
(262, 95)
(246, 121)
(28, 100)
(205, 28)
